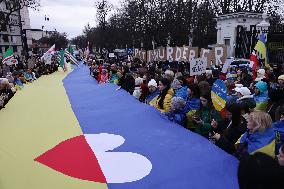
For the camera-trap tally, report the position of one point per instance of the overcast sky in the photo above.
(66, 15)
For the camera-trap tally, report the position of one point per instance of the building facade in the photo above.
(227, 27)
(11, 35)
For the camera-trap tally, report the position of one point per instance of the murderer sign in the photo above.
(198, 66)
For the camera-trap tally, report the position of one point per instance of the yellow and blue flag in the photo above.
(261, 48)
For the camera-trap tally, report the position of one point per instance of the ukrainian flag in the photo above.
(38, 118)
(261, 48)
(260, 141)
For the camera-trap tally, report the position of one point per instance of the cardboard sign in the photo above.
(162, 54)
(193, 53)
(198, 66)
(219, 95)
(207, 53)
(226, 66)
(220, 54)
(141, 54)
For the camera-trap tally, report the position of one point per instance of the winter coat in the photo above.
(151, 96)
(246, 81)
(114, 79)
(277, 98)
(279, 135)
(167, 102)
(177, 116)
(206, 115)
(144, 92)
(231, 136)
(104, 78)
(261, 101)
(248, 101)
(182, 92)
(192, 104)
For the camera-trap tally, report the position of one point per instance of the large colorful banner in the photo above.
(215, 56)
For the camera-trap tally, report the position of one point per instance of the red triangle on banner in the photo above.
(75, 158)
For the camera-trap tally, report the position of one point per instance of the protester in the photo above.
(261, 96)
(164, 100)
(280, 156)
(153, 91)
(279, 130)
(204, 116)
(233, 132)
(179, 89)
(259, 137)
(259, 171)
(176, 113)
(246, 98)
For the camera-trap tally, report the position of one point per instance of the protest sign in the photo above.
(220, 54)
(219, 95)
(198, 66)
(206, 53)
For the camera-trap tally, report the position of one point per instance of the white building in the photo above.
(11, 35)
(26, 24)
(227, 27)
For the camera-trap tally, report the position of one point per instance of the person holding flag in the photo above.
(261, 49)
(8, 57)
(69, 54)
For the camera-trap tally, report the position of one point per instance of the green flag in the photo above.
(70, 50)
(62, 58)
(8, 57)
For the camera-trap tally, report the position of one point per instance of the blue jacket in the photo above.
(192, 104)
(177, 116)
(182, 92)
(17, 81)
(279, 135)
(151, 96)
(114, 79)
(261, 101)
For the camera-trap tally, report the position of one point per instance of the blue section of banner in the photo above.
(180, 159)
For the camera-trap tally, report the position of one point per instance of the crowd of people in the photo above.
(14, 77)
(251, 123)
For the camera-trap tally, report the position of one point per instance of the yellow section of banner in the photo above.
(38, 118)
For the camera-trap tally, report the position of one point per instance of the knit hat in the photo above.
(152, 83)
(176, 84)
(262, 86)
(260, 74)
(138, 81)
(178, 103)
(170, 73)
(4, 81)
(281, 77)
(243, 90)
(137, 93)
